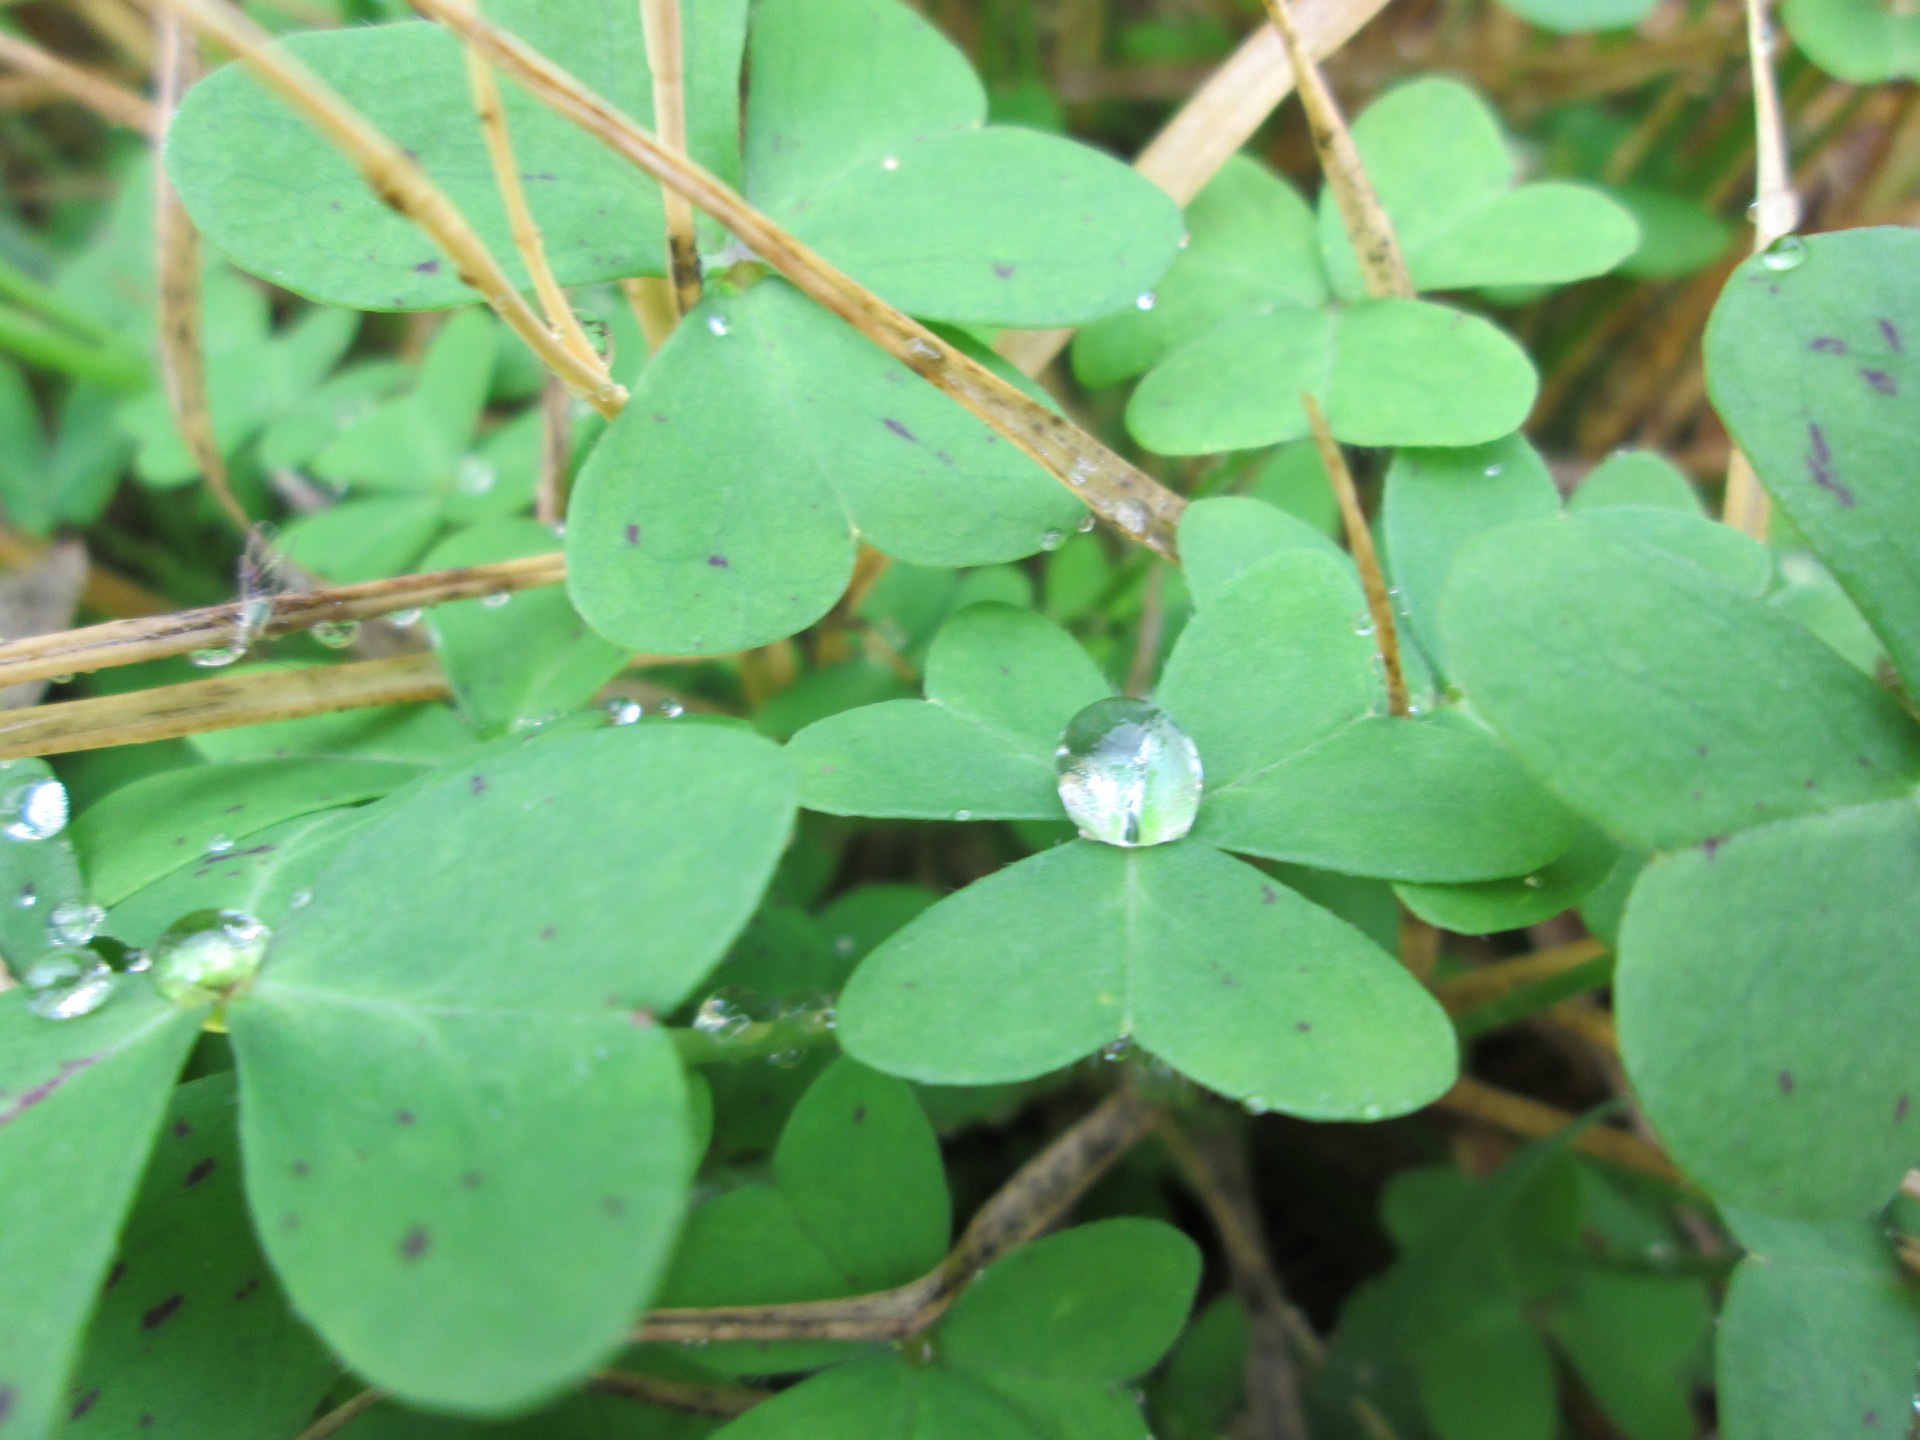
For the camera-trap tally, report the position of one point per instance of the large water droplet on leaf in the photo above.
(37, 811)
(67, 982)
(75, 922)
(204, 956)
(1128, 774)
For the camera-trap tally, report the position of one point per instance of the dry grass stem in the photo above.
(1520, 1115)
(128, 642)
(1360, 542)
(660, 19)
(342, 1415)
(183, 359)
(556, 452)
(400, 183)
(1118, 492)
(687, 1396)
(225, 702)
(1490, 982)
(1368, 230)
(109, 101)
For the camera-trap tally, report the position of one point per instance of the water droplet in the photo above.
(1494, 469)
(1128, 774)
(622, 711)
(66, 679)
(1117, 1050)
(496, 599)
(1185, 239)
(136, 962)
(405, 619)
(204, 956)
(1080, 471)
(1255, 1105)
(219, 844)
(671, 709)
(75, 922)
(922, 348)
(717, 324)
(1052, 539)
(67, 982)
(1789, 252)
(300, 899)
(1363, 622)
(787, 1059)
(1372, 1111)
(1086, 523)
(213, 657)
(891, 162)
(843, 945)
(1131, 516)
(1146, 301)
(337, 634)
(29, 897)
(728, 1012)
(963, 814)
(474, 475)
(37, 811)
(1532, 882)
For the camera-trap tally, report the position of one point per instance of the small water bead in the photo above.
(213, 657)
(1494, 470)
(28, 898)
(1789, 252)
(1185, 239)
(203, 957)
(1146, 301)
(891, 162)
(671, 709)
(729, 1012)
(337, 634)
(219, 844)
(1131, 516)
(37, 811)
(75, 922)
(406, 619)
(963, 814)
(66, 679)
(1086, 523)
(1117, 1050)
(1052, 539)
(300, 899)
(475, 475)
(922, 348)
(621, 711)
(495, 600)
(1080, 471)
(787, 1059)
(843, 945)
(66, 983)
(717, 325)
(1128, 775)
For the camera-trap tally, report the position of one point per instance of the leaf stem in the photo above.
(1118, 492)
(660, 20)
(183, 359)
(687, 1396)
(1493, 982)
(1523, 1115)
(1365, 557)
(401, 183)
(1037, 1195)
(1368, 230)
(556, 452)
(342, 1415)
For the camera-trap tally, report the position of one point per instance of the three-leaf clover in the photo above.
(1201, 959)
(1266, 301)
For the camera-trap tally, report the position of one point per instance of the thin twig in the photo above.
(687, 1396)
(1360, 542)
(226, 702)
(651, 300)
(1522, 1115)
(103, 97)
(660, 19)
(1490, 982)
(1146, 644)
(183, 357)
(1219, 118)
(1039, 1193)
(401, 183)
(128, 642)
(1132, 501)
(520, 222)
(1776, 214)
(1382, 266)
(338, 1418)
(556, 452)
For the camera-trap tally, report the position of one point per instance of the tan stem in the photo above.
(103, 97)
(128, 642)
(1490, 982)
(1037, 1196)
(1365, 558)
(342, 1415)
(687, 1396)
(400, 182)
(524, 228)
(226, 702)
(556, 453)
(1119, 493)
(183, 360)
(1369, 231)
(1522, 1115)
(660, 19)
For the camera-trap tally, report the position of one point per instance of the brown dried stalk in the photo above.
(1490, 982)
(556, 452)
(1119, 493)
(183, 359)
(128, 642)
(103, 97)
(400, 182)
(1220, 117)
(342, 1415)
(687, 1396)
(1365, 558)
(1039, 1193)
(226, 702)
(525, 230)
(660, 19)
(1368, 230)
(1776, 214)
(1522, 1115)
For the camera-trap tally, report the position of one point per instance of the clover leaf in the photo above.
(1201, 959)
(1039, 1347)
(1856, 40)
(1254, 311)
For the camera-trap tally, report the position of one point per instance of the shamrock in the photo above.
(1159, 936)
(1266, 301)
(721, 509)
